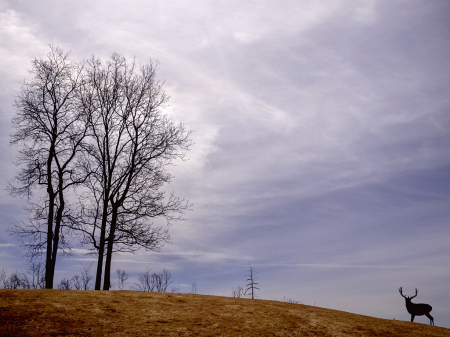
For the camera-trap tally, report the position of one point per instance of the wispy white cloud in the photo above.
(322, 265)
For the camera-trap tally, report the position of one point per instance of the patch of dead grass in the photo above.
(133, 313)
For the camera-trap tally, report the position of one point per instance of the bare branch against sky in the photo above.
(50, 132)
(322, 143)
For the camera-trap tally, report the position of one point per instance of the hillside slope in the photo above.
(132, 313)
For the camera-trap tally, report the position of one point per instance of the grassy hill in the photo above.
(133, 313)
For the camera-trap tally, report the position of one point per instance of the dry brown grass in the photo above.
(133, 313)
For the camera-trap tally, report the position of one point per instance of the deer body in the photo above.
(417, 309)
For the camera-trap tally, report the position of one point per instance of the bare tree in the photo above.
(50, 129)
(145, 281)
(162, 281)
(77, 283)
(36, 279)
(102, 127)
(156, 282)
(2, 278)
(82, 282)
(65, 284)
(15, 281)
(251, 285)
(37, 276)
(122, 277)
(238, 292)
(86, 277)
(132, 145)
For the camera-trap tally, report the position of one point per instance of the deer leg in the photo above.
(412, 317)
(431, 318)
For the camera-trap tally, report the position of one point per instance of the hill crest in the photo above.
(133, 313)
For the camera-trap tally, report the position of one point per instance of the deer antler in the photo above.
(415, 294)
(400, 290)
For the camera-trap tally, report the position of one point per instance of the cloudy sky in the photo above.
(322, 143)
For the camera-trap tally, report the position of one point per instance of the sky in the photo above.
(322, 143)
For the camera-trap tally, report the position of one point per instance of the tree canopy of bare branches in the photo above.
(96, 130)
(50, 129)
(131, 145)
(122, 277)
(36, 280)
(238, 292)
(154, 282)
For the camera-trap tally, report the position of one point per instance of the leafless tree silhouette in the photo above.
(99, 131)
(132, 144)
(36, 279)
(37, 276)
(122, 277)
(14, 281)
(50, 130)
(86, 277)
(77, 283)
(251, 285)
(417, 309)
(238, 292)
(154, 282)
(2, 278)
(82, 282)
(65, 284)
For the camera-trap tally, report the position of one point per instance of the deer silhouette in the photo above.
(417, 309)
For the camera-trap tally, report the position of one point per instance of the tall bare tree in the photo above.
(251, 285)
(50, 128)
(133, 143)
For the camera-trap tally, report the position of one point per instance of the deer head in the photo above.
(407, 298)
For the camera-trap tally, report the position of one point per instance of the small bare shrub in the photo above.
(86, 278)
(2, 278)
(37, 273)
(238, 292)
(15, 281)
(122, 278)
(64, 285)
(77, 283)
(156, 282)
(22, 281)
(82, 282)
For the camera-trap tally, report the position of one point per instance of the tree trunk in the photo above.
(101, 249)
(58, 221)
(107, 281)
(98, 276)
(49, 268)
(48, 261)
